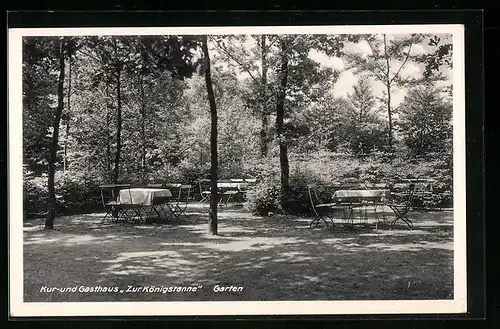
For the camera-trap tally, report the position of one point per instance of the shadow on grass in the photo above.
(275, 258)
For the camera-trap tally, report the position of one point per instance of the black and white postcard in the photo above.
(298, 170)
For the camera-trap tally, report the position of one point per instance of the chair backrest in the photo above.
(184, 194)
(153, 185)
(161, 200)
(174, 189)
(313, 197)
(236, 180)
(111, 190)
(406, 197)
(411, 193)
(204, 186)
(106, 191)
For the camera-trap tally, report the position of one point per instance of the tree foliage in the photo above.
(425, 122)
(135, 110)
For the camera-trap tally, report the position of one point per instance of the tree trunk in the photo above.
(389, 114)
(263, 135)
(49, 221)
(116, 172)
(280, 113)
(213, 140)
(143, 132)
(108, 136)
(265, 117)
(388, 86)
(65, 163)
(143, 113)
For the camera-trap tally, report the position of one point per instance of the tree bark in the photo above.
(49, 221)
(265, 117)
(108, 136)
(280, 113)
(116, 172)
(143, 113)
(65, 163)
(388, 86)
(389, 114)
(213, 140)
(143, 132)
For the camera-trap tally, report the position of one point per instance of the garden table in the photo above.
(362, 194)
(143, 196)
(361, 198)
(234, 185)
(156, 198)
(227, 190)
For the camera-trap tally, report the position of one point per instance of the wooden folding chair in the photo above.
(174, 189)
(322, 211)
(130, 211)
(204, 187)
(179, 207)
(401, 209)
(159, 206)
(111, 206)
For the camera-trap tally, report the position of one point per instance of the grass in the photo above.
(272, 258)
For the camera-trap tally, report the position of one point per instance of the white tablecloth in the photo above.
(239, 186)
(143, 196)
(361, 193)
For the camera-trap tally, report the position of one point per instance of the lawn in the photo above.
(271, 258)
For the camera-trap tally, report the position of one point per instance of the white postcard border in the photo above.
(19, 308)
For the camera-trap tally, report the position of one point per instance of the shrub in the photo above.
(326, 170)
(264, 197)
(433, 201)
(35, 197)
(76, 192)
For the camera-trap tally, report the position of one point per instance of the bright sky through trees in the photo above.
(344, 85)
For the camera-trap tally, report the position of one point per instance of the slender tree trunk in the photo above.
(108, 136)
(49, 221)
(116, 172)
(389, 114)
(265, 117)
(65, 163)
(143, 132)
(280, 113)
(388, 86)
(213, 140)
(143, 113)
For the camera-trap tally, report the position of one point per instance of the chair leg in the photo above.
(182, 212)
(139, 214)
(333, 223)
(108, 213)
(393, 223)
(157, 211)
(317, 220)
(407, 222)
(172, 211)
